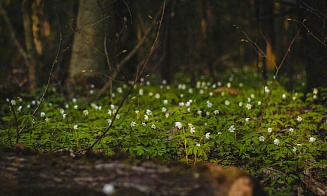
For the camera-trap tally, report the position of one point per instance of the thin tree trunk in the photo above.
(313, 13)
(30, 50)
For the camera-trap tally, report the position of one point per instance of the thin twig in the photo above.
(261, 53)
(52, 66)
(131, 54)
(51, 71)
(134, 83)
(275, 76)
(16, 122)
(308, 30)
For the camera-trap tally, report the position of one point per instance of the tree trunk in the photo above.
(30, 50)
(87, 53)
(266, 18)
(313, 14)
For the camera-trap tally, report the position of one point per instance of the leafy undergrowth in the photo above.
(274, 134)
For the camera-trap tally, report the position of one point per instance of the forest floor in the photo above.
(166, 139)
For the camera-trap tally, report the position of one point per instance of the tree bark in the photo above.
(30, 49)
(87, 52)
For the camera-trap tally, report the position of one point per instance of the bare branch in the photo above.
(52, 66)
(131, 54)
(323, 42)
(153, 47)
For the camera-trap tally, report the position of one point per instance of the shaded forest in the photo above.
(230, 83)
(83, 42)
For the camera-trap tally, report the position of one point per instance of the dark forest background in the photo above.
(105, 39)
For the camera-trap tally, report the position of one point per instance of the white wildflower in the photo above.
(19, 108)
(178, 125)
(261, 138)
(231, 129)
(315, 91)
(248, 106)
(157, 95)
(209, 104)
(192, 128)
(208, 135)
(312, 139)
(141, 91)
(283, 96)
(148, 112)
(276, 141)
(109, 121)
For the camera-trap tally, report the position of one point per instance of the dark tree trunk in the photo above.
(313, 14)
(265, 13)
(30, 49)
(165, 70)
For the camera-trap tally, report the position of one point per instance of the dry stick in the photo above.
(129, 56)
(16, 122)
(51, 71)
(109, 65)
(262, 54)
(275, 76)
(26, 57)
(134, 82)
(308, 30)
(55, 61)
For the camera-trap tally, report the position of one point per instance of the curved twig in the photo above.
(153, 47)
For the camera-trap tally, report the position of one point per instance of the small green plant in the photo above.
(268, 131)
